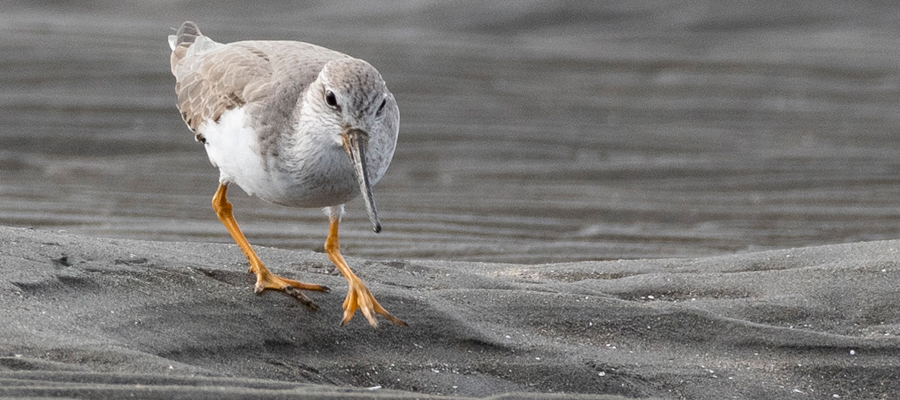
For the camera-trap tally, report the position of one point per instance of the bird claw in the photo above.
(266, 280)
(360, 298)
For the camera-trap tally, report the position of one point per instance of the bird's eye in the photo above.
(381, 107)
(330, 99)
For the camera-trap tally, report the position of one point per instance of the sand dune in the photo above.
(102, 318)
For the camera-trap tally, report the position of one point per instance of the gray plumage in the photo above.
(271, 82)
(295, 124)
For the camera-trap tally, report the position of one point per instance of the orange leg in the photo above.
(265, 280)
(358, 295)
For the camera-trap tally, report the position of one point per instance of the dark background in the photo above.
(531, 131)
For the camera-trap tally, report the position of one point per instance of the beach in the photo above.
(672, 200)
(108, 318)
(531, 132)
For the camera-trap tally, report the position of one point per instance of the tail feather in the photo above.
(182, 40)
(188, 33)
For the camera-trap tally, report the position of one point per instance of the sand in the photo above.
(531, 131)
(694, 138)
(110, 318)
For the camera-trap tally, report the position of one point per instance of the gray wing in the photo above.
(268, 76)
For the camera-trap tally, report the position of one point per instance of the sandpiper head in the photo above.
(355, 90)
(355, 95)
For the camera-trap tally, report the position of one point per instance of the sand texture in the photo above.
(724, 149)
(96, 317)
(531, 131)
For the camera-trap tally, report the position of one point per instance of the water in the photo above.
(530, 131)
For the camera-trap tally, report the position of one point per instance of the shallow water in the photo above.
(530, 131)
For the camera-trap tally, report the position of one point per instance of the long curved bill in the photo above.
(356, 143)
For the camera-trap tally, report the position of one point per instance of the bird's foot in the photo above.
(360, 298)
(266, 280)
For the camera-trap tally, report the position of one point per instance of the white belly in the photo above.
(318, 173)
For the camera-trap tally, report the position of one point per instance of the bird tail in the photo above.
(186, 35)
(188, 41)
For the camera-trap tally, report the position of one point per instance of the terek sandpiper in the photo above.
(292, 123)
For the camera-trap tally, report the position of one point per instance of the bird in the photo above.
(294, 124)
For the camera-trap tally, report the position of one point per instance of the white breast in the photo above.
(312, 172)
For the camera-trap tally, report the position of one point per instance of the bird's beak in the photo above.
(356, 143)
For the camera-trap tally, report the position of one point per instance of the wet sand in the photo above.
(531, 131)
(737, 162)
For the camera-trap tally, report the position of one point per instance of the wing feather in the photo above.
(212, 82)
(267, 76)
